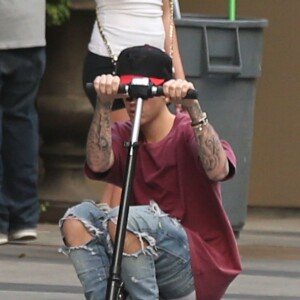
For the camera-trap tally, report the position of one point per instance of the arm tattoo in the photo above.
(99, 144)
(195, 111)
(209, 149)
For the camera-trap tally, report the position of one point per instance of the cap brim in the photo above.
(127, 79)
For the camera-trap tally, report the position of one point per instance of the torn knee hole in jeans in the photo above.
(143, 238)
(92, 230)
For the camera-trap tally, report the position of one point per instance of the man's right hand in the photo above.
(106, 87)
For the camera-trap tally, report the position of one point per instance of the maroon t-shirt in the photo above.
(170, 172)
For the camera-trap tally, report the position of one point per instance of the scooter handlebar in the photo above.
(145, 92)
(159, 91)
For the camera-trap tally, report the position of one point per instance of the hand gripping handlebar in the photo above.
(144, 89)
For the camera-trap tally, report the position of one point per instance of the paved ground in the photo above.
(269, 245)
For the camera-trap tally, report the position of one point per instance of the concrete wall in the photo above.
(275, 170)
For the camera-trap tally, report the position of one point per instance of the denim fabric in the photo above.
(162, 270)
(20, 74)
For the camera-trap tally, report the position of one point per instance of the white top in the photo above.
(128, 23)
(22, 23)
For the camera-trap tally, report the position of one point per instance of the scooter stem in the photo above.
(114, 284)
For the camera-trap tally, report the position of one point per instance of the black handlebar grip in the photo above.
(159, 91)
(191, 94)
(89, 86)
(123, 89)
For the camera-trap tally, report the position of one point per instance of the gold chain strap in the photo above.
(114, 57)
(171, 27)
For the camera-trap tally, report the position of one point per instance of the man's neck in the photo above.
(159, 128)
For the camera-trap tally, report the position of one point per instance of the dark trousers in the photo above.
(20, 73)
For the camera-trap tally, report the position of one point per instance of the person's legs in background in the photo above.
(21, 72)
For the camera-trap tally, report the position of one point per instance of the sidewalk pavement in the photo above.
(269, 246)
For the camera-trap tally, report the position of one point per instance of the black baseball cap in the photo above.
(144, 61)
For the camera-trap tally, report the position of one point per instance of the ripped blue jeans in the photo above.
(161, 270)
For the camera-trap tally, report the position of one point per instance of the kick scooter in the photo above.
(140, 89)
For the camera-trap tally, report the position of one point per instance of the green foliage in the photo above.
(44, 206)
(57, 12)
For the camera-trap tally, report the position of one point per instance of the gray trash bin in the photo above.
(223, 59)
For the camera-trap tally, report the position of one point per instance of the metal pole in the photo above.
(114, 284)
